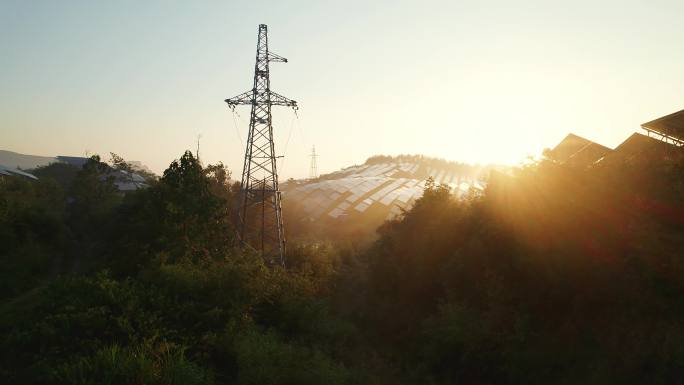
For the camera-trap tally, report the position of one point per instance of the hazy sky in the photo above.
(475, 81)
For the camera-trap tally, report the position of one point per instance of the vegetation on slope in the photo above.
(554, 275)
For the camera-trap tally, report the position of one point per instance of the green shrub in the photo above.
(264, 359)
(136, 365)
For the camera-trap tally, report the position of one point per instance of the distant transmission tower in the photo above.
(259, 211)
(313, 172)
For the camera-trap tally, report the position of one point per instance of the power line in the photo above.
(237, 130)
(287, 142)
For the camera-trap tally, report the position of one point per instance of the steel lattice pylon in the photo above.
(313, 171)
(260, 220)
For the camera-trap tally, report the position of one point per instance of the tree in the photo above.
(183, 216)
(91, 203)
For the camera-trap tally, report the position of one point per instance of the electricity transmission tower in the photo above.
(260, 219)
(313, 172)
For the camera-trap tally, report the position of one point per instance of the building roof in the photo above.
(15, 172)
(76, 161)
(577, 150)
(670, 125)
(588, 155)
(126, 181)
(642, 148)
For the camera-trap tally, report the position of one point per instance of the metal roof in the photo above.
(588, 154)
(567, 147)
(76, 161)
(9, 171)
(670, 126)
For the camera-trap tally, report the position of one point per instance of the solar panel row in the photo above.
(394, 211)
(361, 207)
(439, 177)
(357, 182)
(335, 213)
(393, 192)
(385, 190)
(372, 170)
(364, 188)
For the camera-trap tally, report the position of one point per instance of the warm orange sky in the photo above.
(473, 81)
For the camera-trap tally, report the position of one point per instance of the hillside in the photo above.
(359, 198)
(553, 274)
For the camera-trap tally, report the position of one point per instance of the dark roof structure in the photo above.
(6, 171)
(76, 161)
(568, 146)
(663, 141)
(588, 155)
(669, 128)
(578, 151)
(640, 148)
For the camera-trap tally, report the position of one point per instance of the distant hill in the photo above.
(14, 160)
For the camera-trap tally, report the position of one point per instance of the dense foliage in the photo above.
(552, 275)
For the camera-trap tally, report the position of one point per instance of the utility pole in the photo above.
(259, 187)
(313, 171)
(199, 136)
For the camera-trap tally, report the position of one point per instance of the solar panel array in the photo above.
(389, 187)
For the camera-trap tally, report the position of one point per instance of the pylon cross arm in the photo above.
(246, 97)
(273, 57)
(280, 100)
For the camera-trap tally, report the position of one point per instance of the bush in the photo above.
(263, 359)
(138, 365)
